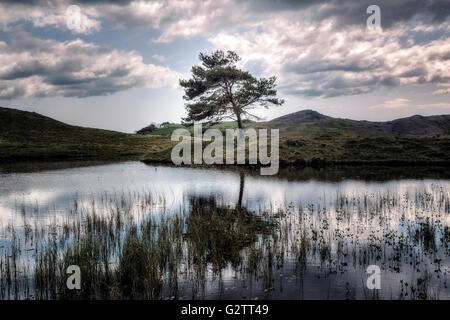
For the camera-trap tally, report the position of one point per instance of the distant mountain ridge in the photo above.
(303, 116)
(416, 125)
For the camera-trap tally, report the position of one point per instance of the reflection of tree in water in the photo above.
(218, 233)
(241, 188)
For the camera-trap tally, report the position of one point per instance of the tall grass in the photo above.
(129, 246)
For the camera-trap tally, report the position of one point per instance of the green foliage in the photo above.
(219, 90)
(168, 129)
(147, 129)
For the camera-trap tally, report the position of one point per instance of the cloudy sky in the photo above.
(118, 68)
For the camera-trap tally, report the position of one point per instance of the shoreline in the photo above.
(299, 163)
(328, 170)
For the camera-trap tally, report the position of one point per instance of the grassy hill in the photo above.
(306, 137)
(415, 126)
(28, 135)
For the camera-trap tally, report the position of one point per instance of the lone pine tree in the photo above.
(219, 90)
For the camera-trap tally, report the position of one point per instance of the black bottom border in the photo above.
(224, 309)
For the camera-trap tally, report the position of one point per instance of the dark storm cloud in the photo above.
(191, 18)
(350, 12)
(24, 70)
(321, 65)
(392, 12)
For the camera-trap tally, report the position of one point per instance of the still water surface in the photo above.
(327, 231)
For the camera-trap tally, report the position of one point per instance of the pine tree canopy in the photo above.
(219, 90)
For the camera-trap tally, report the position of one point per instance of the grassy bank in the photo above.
(326, 148)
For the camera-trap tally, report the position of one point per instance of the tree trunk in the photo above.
(239, 121)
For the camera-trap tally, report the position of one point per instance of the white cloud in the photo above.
(394, 104)
(317, 49)
(173, 18)
(323, 60)
(37, 67)
(54, 15)
(439, 105)
(159, 58)
(444, 89)
(176, 18)
(407, 104)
